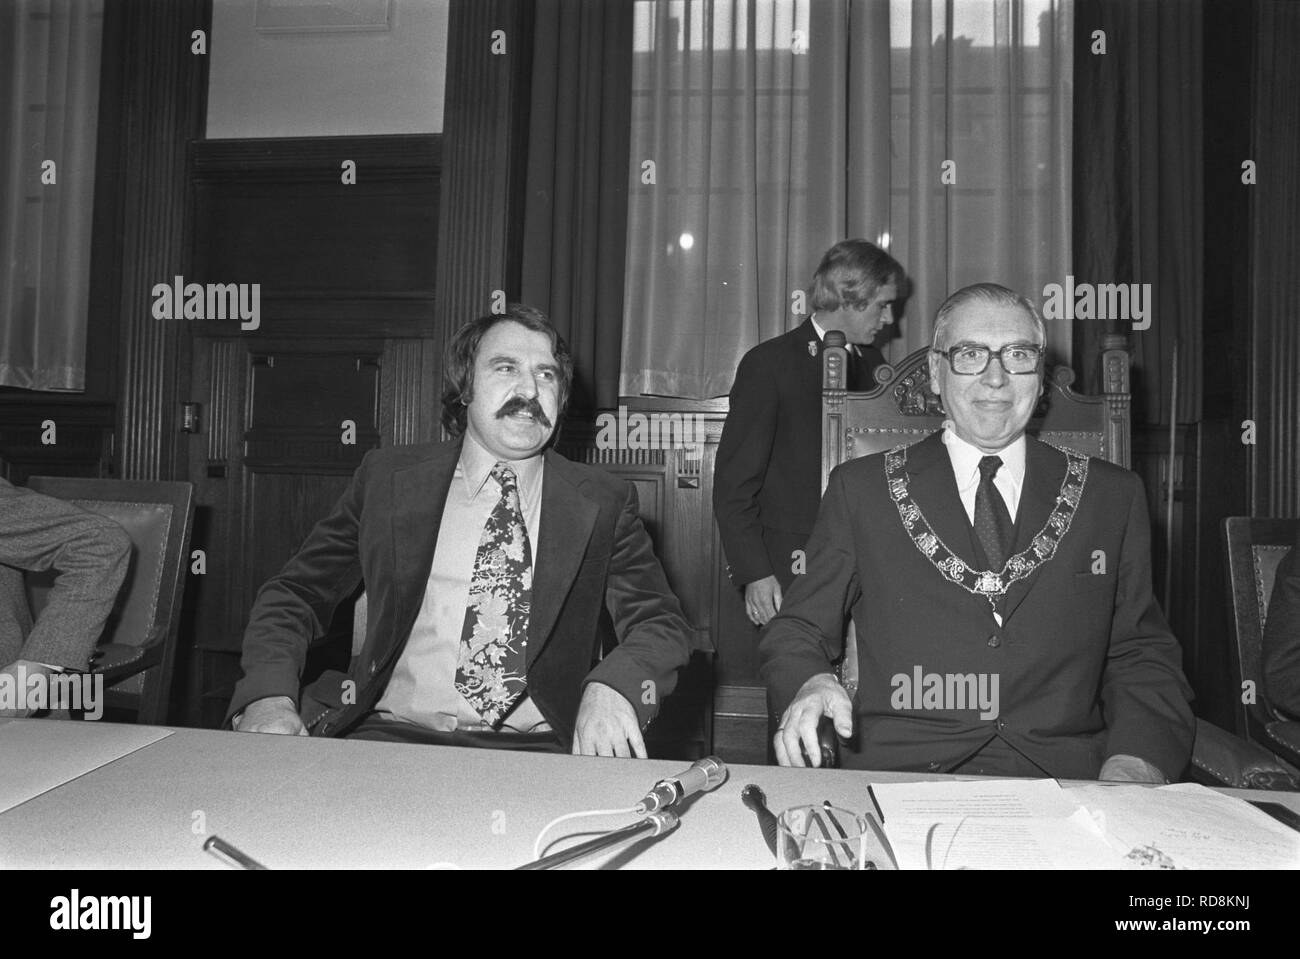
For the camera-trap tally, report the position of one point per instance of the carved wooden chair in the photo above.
(903, 409)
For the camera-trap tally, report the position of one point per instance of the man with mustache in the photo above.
(488, 562)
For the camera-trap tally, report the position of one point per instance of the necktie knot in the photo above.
(505, 476)
(989, 466)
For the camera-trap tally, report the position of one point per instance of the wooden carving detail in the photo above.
(913, 393)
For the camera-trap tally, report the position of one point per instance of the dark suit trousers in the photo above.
(377, 729)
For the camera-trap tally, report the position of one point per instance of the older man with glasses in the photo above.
(1000, 586)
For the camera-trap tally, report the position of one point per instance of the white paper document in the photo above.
(1037, 824)
(1187, 826)
(998, 824)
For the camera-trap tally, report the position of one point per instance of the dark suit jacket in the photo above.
(1086, 665)
(593, 551)
(91, 553)
(1281, 649)
(767, 481)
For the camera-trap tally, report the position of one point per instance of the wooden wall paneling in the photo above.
(270, 463)
(485, 127)
(331, 259)
(161, 107)
(215, 463)
(83, 434)
(410, 400)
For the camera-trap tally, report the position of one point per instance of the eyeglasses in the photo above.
(970, 359)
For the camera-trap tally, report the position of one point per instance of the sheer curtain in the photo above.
(49, 94)
(765, 130)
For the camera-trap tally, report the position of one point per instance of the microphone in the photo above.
(704, 774)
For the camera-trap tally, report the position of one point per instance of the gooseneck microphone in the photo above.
(704, 774)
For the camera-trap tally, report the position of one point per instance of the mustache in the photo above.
(522, 404)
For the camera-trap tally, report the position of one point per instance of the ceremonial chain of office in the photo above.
(987, 583)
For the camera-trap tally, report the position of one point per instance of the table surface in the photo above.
(300, 802)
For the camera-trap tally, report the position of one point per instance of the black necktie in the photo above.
(992, 518)
(860, 379)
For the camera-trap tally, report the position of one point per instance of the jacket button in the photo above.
(374, 667)
(995, 641)
(1002, 724)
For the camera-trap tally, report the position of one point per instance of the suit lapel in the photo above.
(419, 495)
(934, 488)
(1044, 471)
(568, 518)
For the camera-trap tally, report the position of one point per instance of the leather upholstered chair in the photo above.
(1254, 548)
(137, 650)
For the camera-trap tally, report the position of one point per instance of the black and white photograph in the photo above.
(452, 436)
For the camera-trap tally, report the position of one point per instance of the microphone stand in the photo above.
(655, 824)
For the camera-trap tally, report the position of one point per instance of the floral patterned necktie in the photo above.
(491, 671)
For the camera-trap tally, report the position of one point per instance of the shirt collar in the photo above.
(966, 458)
(821, 335)
(476, 463)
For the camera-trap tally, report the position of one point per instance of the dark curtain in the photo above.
(575, 219)
(1275, 259)
(1138, 216)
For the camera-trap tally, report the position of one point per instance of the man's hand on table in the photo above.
(274, 714)
(15, 680)
(607, 725)
(822, 695)
(1130, 769)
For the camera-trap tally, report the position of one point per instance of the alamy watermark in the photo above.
(24, 690)
(654, 431)
(75, 912)
(179, 300)
(922, 690)
(1131, 302)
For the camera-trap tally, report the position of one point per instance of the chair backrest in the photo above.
(1254, 549)
(158, 517)
(902, 409)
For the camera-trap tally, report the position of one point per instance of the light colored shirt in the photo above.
(965, 460)
(422, 689)
(821, 335)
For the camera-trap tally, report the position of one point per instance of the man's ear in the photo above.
(934, 359)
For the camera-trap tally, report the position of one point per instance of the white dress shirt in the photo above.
(965, 460)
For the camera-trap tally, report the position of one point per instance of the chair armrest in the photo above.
(1284, 736)
(1229, 760)
(118, 661)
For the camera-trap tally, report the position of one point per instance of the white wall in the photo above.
(327, 84)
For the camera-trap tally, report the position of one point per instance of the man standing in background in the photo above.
(767, 482)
